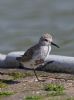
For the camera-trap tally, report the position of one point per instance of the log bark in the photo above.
(59, 63)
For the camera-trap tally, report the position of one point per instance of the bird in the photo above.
(36, 55)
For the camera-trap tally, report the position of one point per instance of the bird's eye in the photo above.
(46, 40)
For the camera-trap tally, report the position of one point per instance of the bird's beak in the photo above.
(55, 45)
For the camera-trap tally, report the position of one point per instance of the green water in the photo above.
(23, 21)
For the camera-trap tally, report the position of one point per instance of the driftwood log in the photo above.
(59, 63)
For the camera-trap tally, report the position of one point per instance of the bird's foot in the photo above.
(43, 66)
(49, 62)
(39, 80)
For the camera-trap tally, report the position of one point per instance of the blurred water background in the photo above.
(22, 22)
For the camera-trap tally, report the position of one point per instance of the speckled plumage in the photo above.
(37, 52)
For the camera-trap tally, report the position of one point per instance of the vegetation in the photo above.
(33, 98)
(71, 98)
(6, 93)
(2, 85)
(54, 89)
(18, 75)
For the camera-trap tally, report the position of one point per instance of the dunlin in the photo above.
(36, 55)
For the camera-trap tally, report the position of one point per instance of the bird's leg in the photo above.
(36, 74)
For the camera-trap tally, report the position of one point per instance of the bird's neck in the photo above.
(39, 44)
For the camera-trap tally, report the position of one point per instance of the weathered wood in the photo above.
(59, 64)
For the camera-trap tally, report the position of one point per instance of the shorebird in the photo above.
(36, 55)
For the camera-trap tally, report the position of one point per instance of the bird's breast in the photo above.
(45, 50)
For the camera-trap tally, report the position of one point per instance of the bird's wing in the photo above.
(28, 54)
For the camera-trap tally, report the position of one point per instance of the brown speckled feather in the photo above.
(28, 54)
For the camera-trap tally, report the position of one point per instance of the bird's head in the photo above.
(46, 40)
